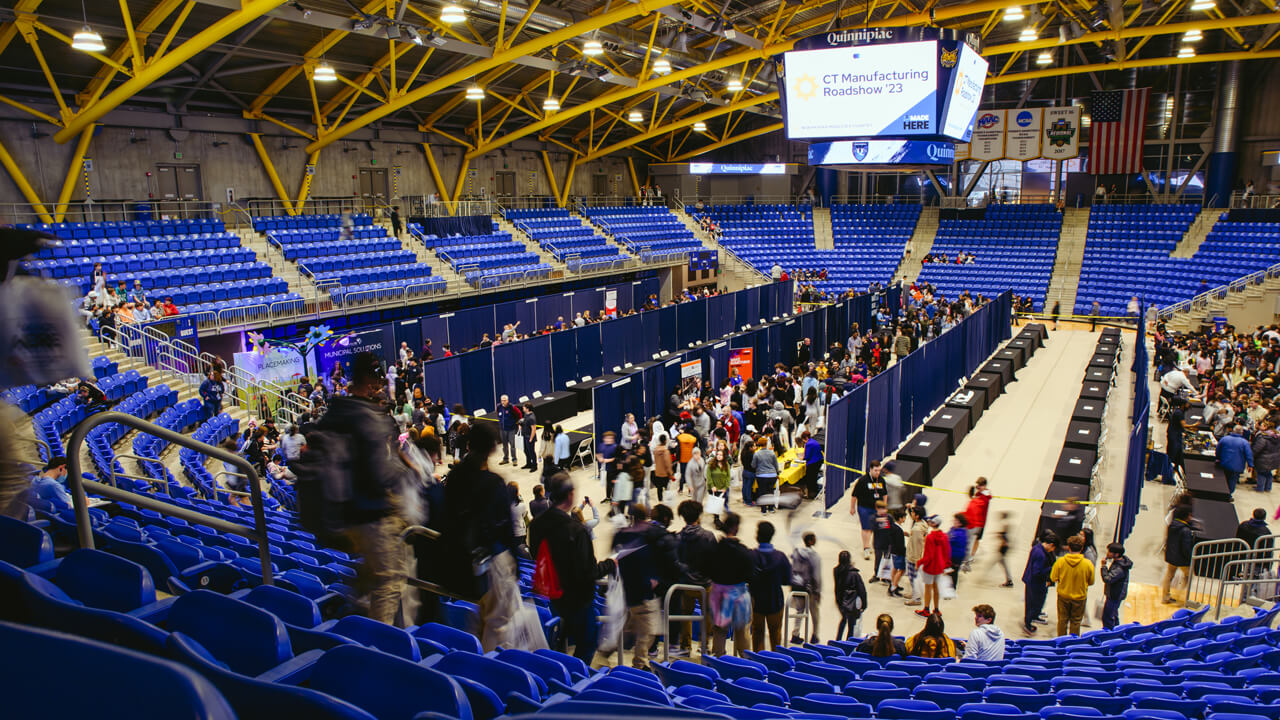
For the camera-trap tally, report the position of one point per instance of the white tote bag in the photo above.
(713, 504)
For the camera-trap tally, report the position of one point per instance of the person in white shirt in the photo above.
(1174, 382)
(292, 443)
(776, 271)
(986, 642)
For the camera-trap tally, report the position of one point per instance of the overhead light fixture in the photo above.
(699, 126)
(681, 42)
(635, 116)
(1013, 14)
(1028, 35)
(324, 72)
(550, 104)
(1202, 5)
(414, 36)
(661, 66)
(437, 39)
(1192, 36)
(1186, 51)
(87, 39)
(364, 23)
(734, 85)
(452, 13)
(1045, 58)
(592, 48)
(475, 92)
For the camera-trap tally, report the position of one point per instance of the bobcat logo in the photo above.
(950, 57)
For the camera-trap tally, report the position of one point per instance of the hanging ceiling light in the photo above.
(475, 92)
(699, 126)
(550, 104)
(661, 66)
(1186, 51)
(324, 72)
(734, 85)
(452, 13)
(87, 39)
(1192, 36)
(1045, 58)
(592, 48)
(1013, 14)
(1202, 5)
(1028, 35)
(635, 116)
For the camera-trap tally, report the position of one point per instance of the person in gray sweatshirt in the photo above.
(986, 642)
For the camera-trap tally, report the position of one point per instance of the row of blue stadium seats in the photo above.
(426, 285)
(332, 249)
(493, 277)
(117, 265)
(585, 251)
(514, 214)
(491, 262)
(168, 282)
(460, 252)
(295, 222)
(660, 245)
(565, 232)
(127, 228)
(433, 242)
(412, 272)
(354, 262)
(91, 248)
(563, 244)
(211, 298)
(290, 237)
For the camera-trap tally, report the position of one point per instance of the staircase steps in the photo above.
(918, 246)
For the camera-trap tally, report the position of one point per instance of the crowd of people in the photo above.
(107, 305)
(961, 258)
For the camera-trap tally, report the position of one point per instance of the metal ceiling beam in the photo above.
(1136, 32)
(678, 124)
(9, 30)
(212, 68)
(149, 24)
(163, 65)
(764, 130)
(1130, 64)
(523, 49)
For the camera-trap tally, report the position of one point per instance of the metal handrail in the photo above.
(1205, 555)
(112, 474)
(667, 617)
(788, 615)
(78, 486)
(1238, 285)
(1243, 572)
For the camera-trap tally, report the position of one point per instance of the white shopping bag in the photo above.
(886, 568)
(946, 590)
(714, 504)
(615, 615)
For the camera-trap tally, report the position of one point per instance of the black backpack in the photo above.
(853, 600)
(324, 485)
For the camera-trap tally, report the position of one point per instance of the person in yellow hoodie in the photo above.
(1073, 575)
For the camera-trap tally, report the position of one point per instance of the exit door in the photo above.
(374, 189)
(177, 185)
(506, 184)
(599, 185)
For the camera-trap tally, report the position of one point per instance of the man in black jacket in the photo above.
(377, 472)
(731, 567)
(772, 572)
(574, 559)
(1178, 543)
(693, 552)
(640, 546)
(1115, 581)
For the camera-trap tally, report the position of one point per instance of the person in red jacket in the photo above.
(976, 515)
(933, 564)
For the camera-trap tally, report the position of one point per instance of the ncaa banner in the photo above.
(987, 142)
(1022, 134)
(1061, 136)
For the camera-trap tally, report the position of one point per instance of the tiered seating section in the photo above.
(196, 262)
(1134, 242)
(869, 240)
(762, 235)
(647, 231)
(372, 266)
(1015, 247)
(485, 261)
(560, 233)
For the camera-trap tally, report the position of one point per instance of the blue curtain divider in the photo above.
(619, 339)
(435, 329)
(667, 338)
(719, 355)
(590, 301)
(590, 352)
(442, 378)
(753, 312)
(792, 334)
(691, 322)
(836, 447)
(564, 358)
(477, 380)
(456, 225)
(520, 368)
(720, 316)
(468, 327)
(523, 312)
(610, 402)
(655, 390)
(408, 332)
(650, 335)
(552, 308)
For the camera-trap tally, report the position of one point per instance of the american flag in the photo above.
(1119, 120)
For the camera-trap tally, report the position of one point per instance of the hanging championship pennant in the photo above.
(1022, 134)
(1061, 133)
(987, 142)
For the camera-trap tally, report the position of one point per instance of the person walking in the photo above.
(1073, 574)
(975, 514)
(1114, 571)
(563, 545)
(1266, 455)
(695, 546)
(1234, 456)
(529, 434)
(638, 568)
(764, 467)
(508, 423)
(1057, 312)
(396, 227)
(772, 571)
(851, 595)
(718, 472)
(696, 472)
(211, 392)
(806, 575)
(869, 489)
(915, 550)
(935, 561)
(958, 540)
(1036, 579)
(1095, 311)
(812, 464)
(732, 566)
(1180, 538)
(986, 641)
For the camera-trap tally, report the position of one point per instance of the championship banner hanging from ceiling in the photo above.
(1022, 134)
(988, 135)
(1060, 136)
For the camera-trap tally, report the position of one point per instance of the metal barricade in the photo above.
(789, 614)
(1250, 580)
(78, 486)
(139, 459)
(1208, 561)
(668, 618)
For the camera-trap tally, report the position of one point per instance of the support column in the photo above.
(73, 173)
(308, 174)
(24, 187)
(825, 183)
(1222, 163)
(271, 173)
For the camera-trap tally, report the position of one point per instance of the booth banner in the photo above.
(343, 349)
(988, 135)
(1022, 134)
(611, 302)
(691, 368)
(277, 365)
(1061, 139)
(740, 360)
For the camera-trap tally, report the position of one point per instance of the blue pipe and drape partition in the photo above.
(588, 301)
(721, 315)
(442, 379)
(522, 368)
(649, 336)
(436, 329)
(468, 327)
(409, 332)
(459, 225)
(691, 322)
(521, 313)
(655, 390)
(610, 402)
(564, 358)
(477, 380)
(1135, 467)
(667, 338)
(589, 351)
(623, 342)
(553, 308)
(642, 290)
(846, 439)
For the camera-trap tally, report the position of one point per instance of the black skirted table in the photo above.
(911, 472)
(1102, 360)
(1204, 479)
(972, 401)
(1027, 344)
(583, 389)
(1089, 409)
(1003, 368)
(578, 436)
(928, 449)
(1075, 465)
(1053, 515)
(555, 407)
(1104, 348)
(1096, 390)
(1218, 521)
(1095, 373)
(1038, 330)
(1194, 414)
(1083, 434)
(952, 422)
(1014, 354)
(990, 385)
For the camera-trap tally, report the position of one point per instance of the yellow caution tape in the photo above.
(965, 492)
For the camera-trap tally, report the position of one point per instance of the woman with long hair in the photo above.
(851, 595)
(883, 643)
(718, 475)
(932, 641)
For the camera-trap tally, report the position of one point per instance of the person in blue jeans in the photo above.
(1266, 454)
(508, 422)
(1114, 570)
(1234, 455)
(211, 391)
(569, 549)
(1036, 579)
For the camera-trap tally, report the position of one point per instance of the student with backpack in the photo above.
(851, 596)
